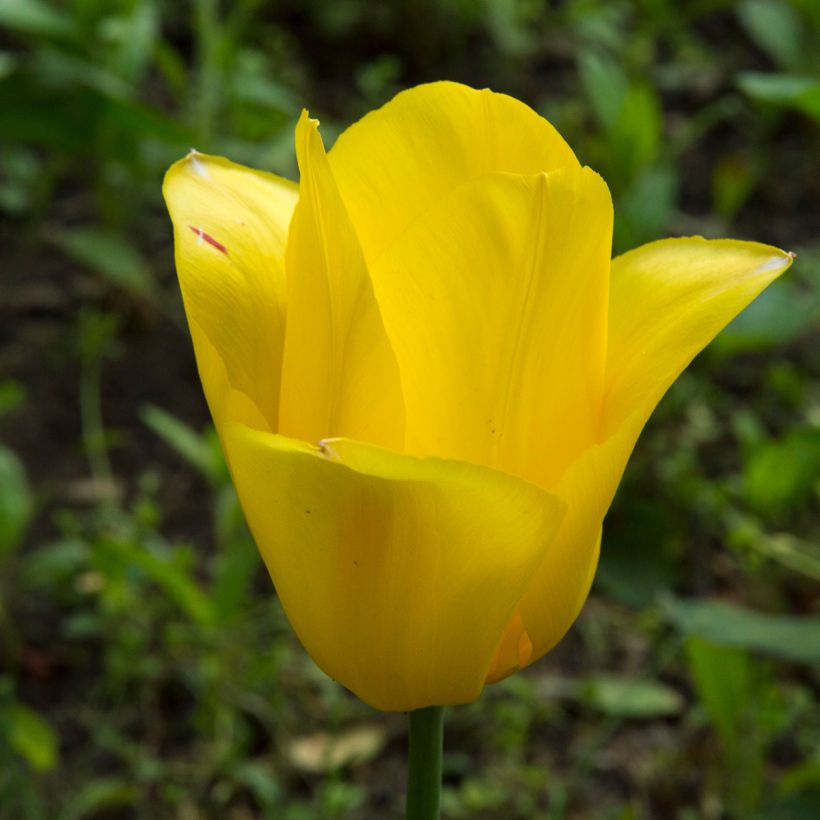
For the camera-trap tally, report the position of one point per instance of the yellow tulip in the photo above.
(427, 375)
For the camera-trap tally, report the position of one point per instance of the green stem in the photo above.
(424, 763)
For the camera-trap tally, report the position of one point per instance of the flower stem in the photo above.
(424, 763)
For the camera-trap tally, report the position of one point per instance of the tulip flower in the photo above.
(427, 375)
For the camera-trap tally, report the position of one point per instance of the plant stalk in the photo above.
(424, 763)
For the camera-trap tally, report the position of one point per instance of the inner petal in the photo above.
(399, 161)
(339, 374)
(495, 304)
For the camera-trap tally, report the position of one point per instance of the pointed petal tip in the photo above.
(307, 138)
(779, 262)
(306, 119)
(197, 163)
(193, 162)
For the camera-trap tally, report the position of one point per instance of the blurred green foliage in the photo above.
(146, 669)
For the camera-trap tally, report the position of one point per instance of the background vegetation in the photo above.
(146, 669)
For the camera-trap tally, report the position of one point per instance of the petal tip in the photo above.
(195, 161)
(307, 135)
(780, 262)
(306, 119)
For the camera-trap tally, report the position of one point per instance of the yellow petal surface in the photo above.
(559, 588)
(495, 303)
(397, 162)
(226, 403)
(230, 229)
(340, 376)
(398, 574)
(669, 299)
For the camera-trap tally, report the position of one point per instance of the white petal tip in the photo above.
(196, 164)
(776, 263)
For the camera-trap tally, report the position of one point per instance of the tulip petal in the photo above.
(495, 303)
(397, 162)
(230, 230)
(339, 376)
(668, 300)
(225, 402)
(398, 574)
(559, 588)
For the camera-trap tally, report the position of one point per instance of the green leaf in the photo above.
(180, 586)
(511, 26)
(16, 501)
(256, 776)
(723, 680)
(34, 17)
(31, 737)
(782, 475)
(646, 208)
(801, 806)
(605, 86)
(637, 132)
(56, 565)
(197, 449)
(8, 64)
(35, 114)
(737, 693)
(775, 27)
(98, 795)
(802, 777)
(797, 554)
(12, 396)
(733, 180)
(790, 638)
(64, 69)
(253, 80)
(629, 698)
(111, 256)
(234, 571)
(789, 90)
(132, 38)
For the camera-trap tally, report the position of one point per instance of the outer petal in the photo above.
(230, 230)
(398, 574)
(668, 300)
(226, 403)
(339, 376)
(559, 588)
(398, 161)
(495, 303)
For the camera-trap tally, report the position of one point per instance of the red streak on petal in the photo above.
(209, 239)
